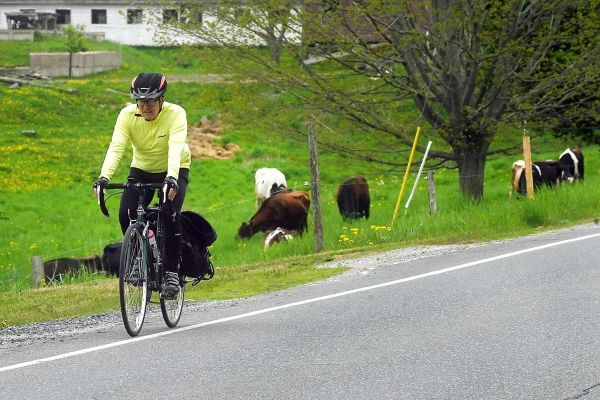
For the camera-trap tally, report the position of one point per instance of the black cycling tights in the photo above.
(171, 218)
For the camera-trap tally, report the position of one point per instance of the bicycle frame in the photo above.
(154, 270)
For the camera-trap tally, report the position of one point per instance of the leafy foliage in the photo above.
(468, 66)
(75, 40)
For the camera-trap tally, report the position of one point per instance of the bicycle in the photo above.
(141, 267)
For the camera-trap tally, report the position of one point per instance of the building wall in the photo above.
(116, 28)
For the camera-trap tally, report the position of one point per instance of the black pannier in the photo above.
(197, 235)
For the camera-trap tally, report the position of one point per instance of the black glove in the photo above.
(171, 183)
(100, 184)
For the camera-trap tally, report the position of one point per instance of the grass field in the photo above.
(48, 208)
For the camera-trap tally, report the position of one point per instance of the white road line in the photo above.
(289, 305)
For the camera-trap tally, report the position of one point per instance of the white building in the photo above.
(129, 22)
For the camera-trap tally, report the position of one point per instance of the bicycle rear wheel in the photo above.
(133, 285)
(171, 308)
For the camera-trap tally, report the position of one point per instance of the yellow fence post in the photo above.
(410, 158)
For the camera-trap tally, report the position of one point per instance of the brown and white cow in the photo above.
(287, 210)
(353, 198)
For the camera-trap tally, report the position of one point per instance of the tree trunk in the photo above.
(274, 51)
(471, 167)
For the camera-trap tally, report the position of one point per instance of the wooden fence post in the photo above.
(431, 188)
(37, 270)
(315, 189)
(528, 168)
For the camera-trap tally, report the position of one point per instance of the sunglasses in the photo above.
(146, 102)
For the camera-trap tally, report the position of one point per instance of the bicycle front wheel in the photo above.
(133, 285)
(171, 308)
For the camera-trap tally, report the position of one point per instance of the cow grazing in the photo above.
(287, 210)
(54, 270)
(111, 258)
(571, 164)
(278, 235)
(267, 182)
(353, 198)
(545, 173)
(109, 262)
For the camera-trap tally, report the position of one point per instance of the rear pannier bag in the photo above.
(197, 235)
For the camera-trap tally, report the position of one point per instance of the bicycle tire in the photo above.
(172, 308)
(133, 282)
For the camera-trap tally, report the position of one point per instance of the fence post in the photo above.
(528, 167)
(431, 189)
(405, 180)
(417, 178)
(315, 189)
(37, 270)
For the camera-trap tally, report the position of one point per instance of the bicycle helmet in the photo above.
(148, 85)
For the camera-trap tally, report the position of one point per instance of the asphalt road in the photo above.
(517, 319)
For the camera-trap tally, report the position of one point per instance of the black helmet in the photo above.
(148, 85)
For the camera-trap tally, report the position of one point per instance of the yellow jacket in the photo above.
(158, 145)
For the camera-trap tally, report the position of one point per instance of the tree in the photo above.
(467, 65)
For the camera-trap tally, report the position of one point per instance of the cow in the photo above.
(546, 173)
(109, 262)
(277, 235)
(267, 182)
(287, 210)
(111, 258)
(353, 198)
(54, 270)
(571, 164)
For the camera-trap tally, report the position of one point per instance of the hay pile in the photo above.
(201, 137)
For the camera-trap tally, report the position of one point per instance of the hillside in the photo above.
(48, 208)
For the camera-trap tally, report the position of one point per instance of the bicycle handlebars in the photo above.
(135, 185)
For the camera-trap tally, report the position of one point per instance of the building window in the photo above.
(134, 16)
(63, 16)
(98, 16)
(193, 15)
(170, 16)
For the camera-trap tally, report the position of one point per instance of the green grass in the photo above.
(47, 207)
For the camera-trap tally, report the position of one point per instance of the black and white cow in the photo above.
(571, 164)
(545, 173)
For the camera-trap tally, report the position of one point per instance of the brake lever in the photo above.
(101, 202)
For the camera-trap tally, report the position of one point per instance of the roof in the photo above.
(39, 3)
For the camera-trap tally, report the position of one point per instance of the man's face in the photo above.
(149, 108)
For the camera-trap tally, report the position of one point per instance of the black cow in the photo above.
(54, 270)
(286, 209)
(571, 164)
(353, 198)
(111, 258)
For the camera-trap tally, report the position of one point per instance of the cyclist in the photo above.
(156, 130)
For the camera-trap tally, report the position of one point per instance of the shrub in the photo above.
(75, 40)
